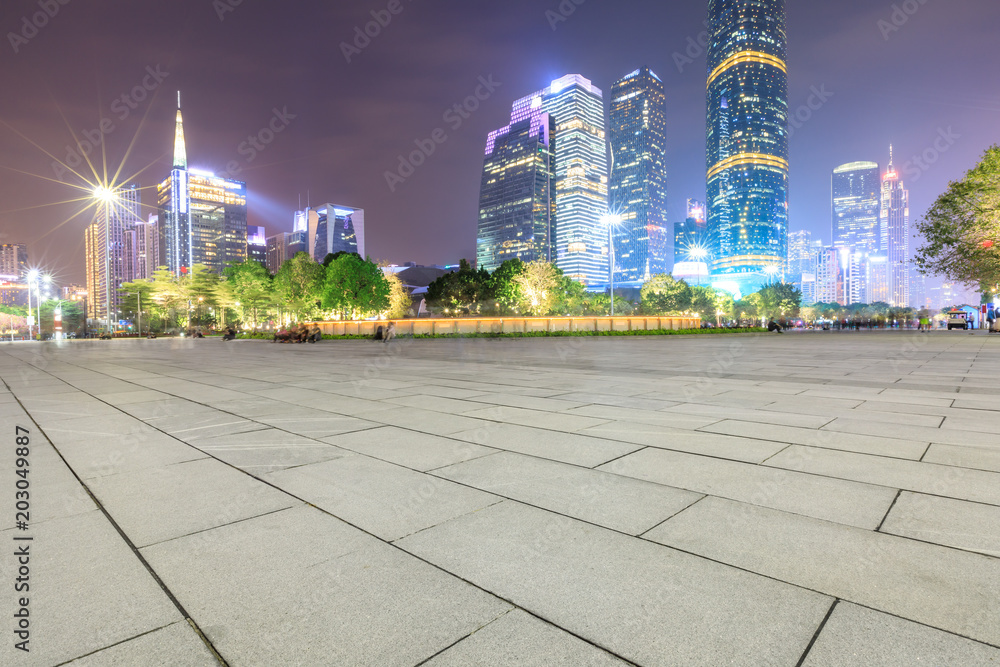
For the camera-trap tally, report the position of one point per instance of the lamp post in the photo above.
(612, 220)
(698, 255)
(32, 279)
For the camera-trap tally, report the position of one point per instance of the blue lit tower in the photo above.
(579, 236)
(747, 160)
(638, 188)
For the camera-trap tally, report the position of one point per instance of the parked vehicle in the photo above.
(957, 319)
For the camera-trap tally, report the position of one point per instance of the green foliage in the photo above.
(779, 300)
(503, 288)
(355, 287)
(961, 230)
(463, 290)
(662, 294)
(299, 285)
(537, 285)
(251, 289)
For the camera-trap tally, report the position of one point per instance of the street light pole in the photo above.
(611, 249)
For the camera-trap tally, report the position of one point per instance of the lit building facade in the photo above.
(257, 245)
(691, 239)
(517, 203)
(203, 216)
(580, 238)
(147, 247)
(638, 185)
(829, 280)
(110, 246)
(13, 261)
(747, 159)
(334, 229)
(895, 223)
(857, 199)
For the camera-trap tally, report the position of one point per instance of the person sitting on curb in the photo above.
(390, 333)
(774, 326)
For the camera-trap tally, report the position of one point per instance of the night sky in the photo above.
(934, 77)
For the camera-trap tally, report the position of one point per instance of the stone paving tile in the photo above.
(170, 406)
(319, 590)
(54, 492)
(518, 639)
(451, 406)
(133, 395)
(695, 442)
(263, 451)
(763, 416)
(952, 523)
(858, 637)
(528, 402)
(629, 596)
(672, 420)
(176, 644)
(90, 429)
(830, 439)
(610, 500)
(620, 400)
(204, 425)
(840, 501)
(537, 419)
(317, 424)
(916, 433)
(158, 504)
(980, 458)
(960, 483)
(947, 589)
(425, 421)
(410, 449)
(88, 590)
(381, 498)
(581, 450)
(116, 454)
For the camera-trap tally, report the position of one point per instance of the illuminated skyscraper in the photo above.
(747, 161)
(895, 241)
(110, 248)
(334, 229)
(13, 261)
(147, 247)
(691, 240)
(517, 202)
(560, 129)
(638, 188)
(580, 239)
(257, 245)
(203, 216)
(857, 198)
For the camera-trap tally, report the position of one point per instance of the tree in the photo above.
(462, 290)
(252, 288)
(779, 300)
(571, 297)
(299, 284)
(355, 287)
(138, 305)
(502, 287)
(537, 286)
(663, 295)
(399, 300)
(962, 229)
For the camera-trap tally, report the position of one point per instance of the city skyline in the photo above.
(428, 219)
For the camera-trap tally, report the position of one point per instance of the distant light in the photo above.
(611, 219)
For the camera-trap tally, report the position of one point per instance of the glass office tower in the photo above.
(638, 187)
(895, 224)
(580, 238)
(203, 216)
(747, 158)
(857, 199)
(517, 203)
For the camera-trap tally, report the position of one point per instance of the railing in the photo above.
(510, 325)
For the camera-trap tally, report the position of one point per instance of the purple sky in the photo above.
(936, 75)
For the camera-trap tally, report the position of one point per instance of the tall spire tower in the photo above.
(180, 150)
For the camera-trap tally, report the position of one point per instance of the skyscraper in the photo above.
(895, 224)
(517, 204)
(203, 216)
(13, 261)
(257, 245)
(580, 238)
(638, 187)
(856, 189)
(747, 163)
(334, 229)
(147, 247)
(110, 248)
(691, 240)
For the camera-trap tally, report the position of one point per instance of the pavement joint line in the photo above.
(125, 538)
(819, 631)
(643, 534)
(119, 643)
(888, 511)
(926, 451)
(221, 525)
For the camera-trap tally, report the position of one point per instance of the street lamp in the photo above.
(612, 220)
(107, 197)
(771, 271)
(698, 255)
(32, 279)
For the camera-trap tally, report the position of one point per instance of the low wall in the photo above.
(511, 325)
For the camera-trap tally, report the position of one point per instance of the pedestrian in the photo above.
(390, 333)
(774, 326)
(316, 334)
(379, 333)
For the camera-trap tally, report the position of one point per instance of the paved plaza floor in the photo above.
(821, 499)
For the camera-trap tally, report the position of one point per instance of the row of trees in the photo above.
(344, 286)
(540, 288)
